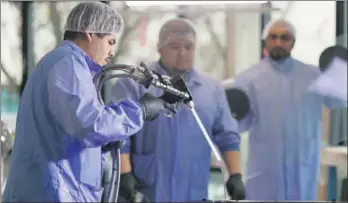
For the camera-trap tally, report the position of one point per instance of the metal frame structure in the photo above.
(196, 10)
(265, 19)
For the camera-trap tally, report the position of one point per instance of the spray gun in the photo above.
(175, 92)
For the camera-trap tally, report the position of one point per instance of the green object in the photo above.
(9, 101)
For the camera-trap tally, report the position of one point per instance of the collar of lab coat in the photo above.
(93, 67)
(284, 65)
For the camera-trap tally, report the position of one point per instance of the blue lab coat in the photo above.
(284, 126)
(61, 127)
(170, 156)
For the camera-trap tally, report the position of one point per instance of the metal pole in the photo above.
(27, 42)
(230, 53)
(265, 19)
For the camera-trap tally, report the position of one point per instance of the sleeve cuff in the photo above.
(125, 150)
(230, 147)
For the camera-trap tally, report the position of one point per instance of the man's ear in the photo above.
(88, 36)
(159, 50)
(293, 44)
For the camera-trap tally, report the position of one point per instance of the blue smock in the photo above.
(284, 126)
(61, 127)
(170, 156)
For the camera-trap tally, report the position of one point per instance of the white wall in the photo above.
(248, 42)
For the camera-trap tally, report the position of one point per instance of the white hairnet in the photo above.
(94, 17)
(280, 22)
(174, 28)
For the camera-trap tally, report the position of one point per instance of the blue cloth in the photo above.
(170, 156)
(284, 126)
(61, 127)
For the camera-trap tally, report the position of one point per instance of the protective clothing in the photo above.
(235, 187)
(170, 156)
(284, 124)
(94, 17)
(61, 127)
(333, 77)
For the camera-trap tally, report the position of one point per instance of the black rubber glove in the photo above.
(235, 187)
(127, 187)
(152, 106)
(128, 192)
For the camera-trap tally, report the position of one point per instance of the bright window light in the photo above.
(168, 3)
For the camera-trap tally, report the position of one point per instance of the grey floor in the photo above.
(216, 186)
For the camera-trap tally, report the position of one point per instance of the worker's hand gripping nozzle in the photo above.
(175, 88)
(179, 84)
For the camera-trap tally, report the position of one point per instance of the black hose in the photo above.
(114, 148)
(112, 193)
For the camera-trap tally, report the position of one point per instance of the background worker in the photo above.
(169, 160)
(284, 121)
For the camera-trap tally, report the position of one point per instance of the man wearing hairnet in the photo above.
(61, 125)
(169, 159)
(284, 121)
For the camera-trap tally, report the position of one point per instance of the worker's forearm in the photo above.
(125, 163)
(74, 104)
(233, 161)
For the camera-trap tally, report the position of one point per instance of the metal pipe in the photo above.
(157, 11)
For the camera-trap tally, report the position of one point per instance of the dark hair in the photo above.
(72, 35)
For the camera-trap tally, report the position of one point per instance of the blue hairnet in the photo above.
(94, 17)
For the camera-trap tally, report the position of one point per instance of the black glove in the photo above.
(235, 187)
(127, 187)
(152, 106)
(128, 192)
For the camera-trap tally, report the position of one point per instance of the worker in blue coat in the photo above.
(284, 121)
(169, 159)
(61, 124)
